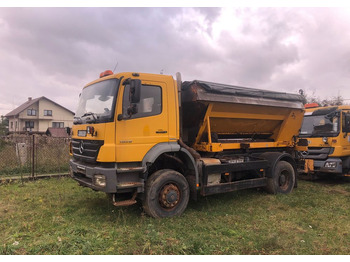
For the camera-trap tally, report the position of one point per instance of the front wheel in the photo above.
(283, 179)
(166, 194)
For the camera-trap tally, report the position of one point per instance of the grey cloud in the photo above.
(210, 14)
(254, 62)
(58, 50)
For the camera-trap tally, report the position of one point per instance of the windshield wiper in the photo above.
(89, 120)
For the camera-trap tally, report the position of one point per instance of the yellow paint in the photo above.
(146, 132)
(309, 165)
(224, 118)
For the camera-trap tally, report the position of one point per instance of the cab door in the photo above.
(141, 125)
(345, 133)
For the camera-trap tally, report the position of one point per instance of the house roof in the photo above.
(57, 132)
(28, 103)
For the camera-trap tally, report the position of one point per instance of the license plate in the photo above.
(81, 132)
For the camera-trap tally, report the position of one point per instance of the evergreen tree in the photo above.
(4, 126)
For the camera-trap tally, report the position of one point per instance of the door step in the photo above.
(124, 203)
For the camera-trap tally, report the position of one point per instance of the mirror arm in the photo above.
(120, 117)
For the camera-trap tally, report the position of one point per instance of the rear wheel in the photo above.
(283, 179)
(166, 194)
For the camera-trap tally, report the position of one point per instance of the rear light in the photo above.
(106, 73)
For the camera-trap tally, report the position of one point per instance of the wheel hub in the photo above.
(169, 196)
(282, 180)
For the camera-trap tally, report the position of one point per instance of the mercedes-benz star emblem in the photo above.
(81, 147)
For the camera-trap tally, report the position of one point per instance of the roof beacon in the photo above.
(106, 73)
(311, 105)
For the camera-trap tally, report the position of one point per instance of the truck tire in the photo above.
(166, 194)
(283, 179)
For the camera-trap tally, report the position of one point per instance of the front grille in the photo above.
(86, 150)
(319, 153)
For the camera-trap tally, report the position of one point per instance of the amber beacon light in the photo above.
(106, 73)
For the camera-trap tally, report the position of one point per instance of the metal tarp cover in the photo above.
(241, 91)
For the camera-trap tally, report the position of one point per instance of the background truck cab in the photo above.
(327, 131)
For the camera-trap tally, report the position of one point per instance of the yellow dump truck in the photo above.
(327, 131)
(151, 138)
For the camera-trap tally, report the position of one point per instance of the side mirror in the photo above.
(135, 91)
(346, 125)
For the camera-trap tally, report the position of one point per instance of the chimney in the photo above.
(29, 98)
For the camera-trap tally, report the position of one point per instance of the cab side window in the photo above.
(346, 122)
(150, 102)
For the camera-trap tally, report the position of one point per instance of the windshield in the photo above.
(320, 125)
(97, 102)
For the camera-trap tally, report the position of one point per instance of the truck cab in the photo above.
(114, 128)
(327, 131)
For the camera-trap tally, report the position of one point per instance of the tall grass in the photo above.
(56, 216)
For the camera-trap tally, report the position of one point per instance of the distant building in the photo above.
(37, 115)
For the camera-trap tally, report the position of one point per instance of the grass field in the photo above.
(56, 216)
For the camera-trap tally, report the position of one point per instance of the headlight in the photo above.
(100, 180)
(330, 164)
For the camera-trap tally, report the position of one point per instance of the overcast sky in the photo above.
(54, 52)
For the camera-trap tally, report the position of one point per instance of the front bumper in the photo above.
(330, 165)
(84, 175)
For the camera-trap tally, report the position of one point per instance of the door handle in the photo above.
(161, 132)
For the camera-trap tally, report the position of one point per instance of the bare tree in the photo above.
(332, 101)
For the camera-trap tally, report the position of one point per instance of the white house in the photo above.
(37, 115)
